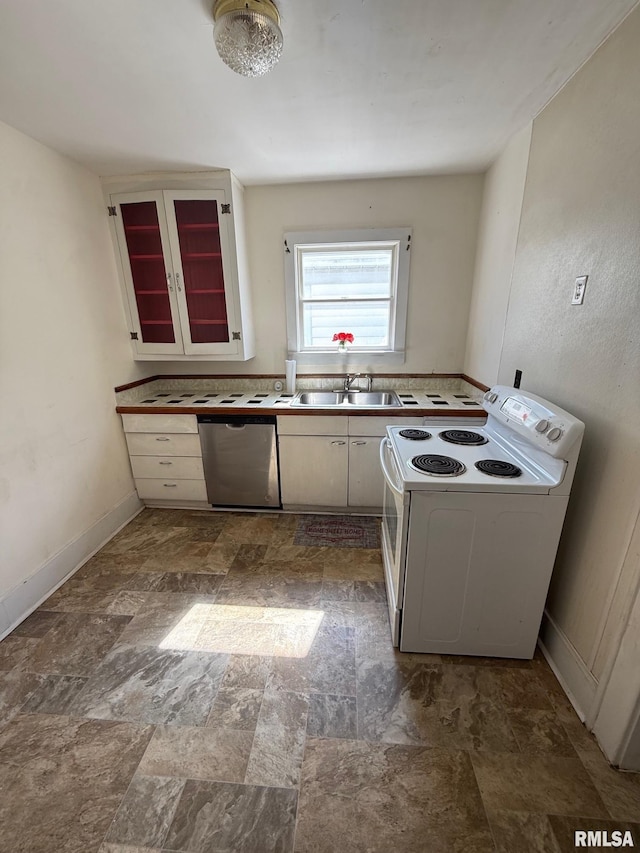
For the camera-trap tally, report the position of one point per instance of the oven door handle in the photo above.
(387, 476)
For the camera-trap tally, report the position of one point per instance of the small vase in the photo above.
(342, 346)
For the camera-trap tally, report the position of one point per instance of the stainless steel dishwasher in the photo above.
(240, 457)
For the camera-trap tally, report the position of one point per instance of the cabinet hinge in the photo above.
(112, 211)
(236, 336)
(134, 336)
(225, 208)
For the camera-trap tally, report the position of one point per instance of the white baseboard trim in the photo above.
(578, 683)
(23, 599)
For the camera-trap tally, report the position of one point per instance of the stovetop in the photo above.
(488, 445)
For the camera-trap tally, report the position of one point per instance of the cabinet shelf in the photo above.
(154, 257)
(128, 228)
(156, 322)
(207, 322)
(190, 256)
(151, 292)
(205, 290)
(202, 226)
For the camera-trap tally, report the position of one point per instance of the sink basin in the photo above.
(372, 399)
(318, 398)
(347, 399)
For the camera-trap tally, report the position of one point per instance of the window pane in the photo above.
(367, 322)
(353, 273)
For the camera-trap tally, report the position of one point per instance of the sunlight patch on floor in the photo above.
(245, 630)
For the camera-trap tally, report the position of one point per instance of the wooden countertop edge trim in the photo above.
(307, 411)
(474, 382)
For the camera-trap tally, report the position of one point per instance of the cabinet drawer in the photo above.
(161, 467)
(312, 425)
(160, 423)
(164, 444)
(171, 490)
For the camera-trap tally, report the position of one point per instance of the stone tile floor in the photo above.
(204, 685)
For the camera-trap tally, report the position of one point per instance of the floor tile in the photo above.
(37, 625)
(220, 816)
(204, 583)
(540, 732)
(414, 703)
(520, 832)
(268, 591)
(332, 716)
(620, 791)
(189, 752)
(54, 694)
(387, 797)
(76, 644)
(328, 667)
(62, 779)
(16, 687)
(534, 783)
(146, 811)
(278, 745)
(150, 685)
(236, 708)
(16, 650)
(168, 620)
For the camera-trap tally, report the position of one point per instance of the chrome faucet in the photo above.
(350, 378)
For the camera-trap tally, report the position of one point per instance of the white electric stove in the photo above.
(471, 524)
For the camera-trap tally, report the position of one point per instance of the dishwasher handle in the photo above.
(236, 421)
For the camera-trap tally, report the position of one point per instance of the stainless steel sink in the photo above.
(347, 399)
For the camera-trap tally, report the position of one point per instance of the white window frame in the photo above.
(365, 356)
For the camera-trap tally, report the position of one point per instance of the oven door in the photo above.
(395, 525)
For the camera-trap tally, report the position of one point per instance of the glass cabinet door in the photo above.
(140, 225)
(198, 244)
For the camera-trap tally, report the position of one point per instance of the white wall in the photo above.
(443, 213)
(497, 239)
(63, 460)
(581, 215)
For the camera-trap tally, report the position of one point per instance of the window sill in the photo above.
(350, 359)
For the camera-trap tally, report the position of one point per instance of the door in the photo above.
(366, 483)
(143, 242)
(313, 470)
(204, 276)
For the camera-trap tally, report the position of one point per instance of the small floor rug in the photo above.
(338, 531)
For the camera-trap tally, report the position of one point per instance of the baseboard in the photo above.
(578, 683)
(23, 599)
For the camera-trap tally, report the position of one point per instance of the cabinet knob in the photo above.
(178, 282)
(169, 285)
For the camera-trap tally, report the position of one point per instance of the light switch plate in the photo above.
(579, 289)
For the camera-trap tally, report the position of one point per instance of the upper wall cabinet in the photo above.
(184, 273)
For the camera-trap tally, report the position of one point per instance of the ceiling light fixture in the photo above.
(247, 35)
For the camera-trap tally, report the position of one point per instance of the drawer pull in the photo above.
(358, 443)
(165, 463)
(170, 485)
(338, 442)
(163, 438)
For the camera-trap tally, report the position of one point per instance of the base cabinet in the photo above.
(314, 470)
(166, 459)
(333, 461)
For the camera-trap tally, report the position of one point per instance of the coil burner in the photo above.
(415, 434)
(496, 468)
(437, 466)
(463, 436)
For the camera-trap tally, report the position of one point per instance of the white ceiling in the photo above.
(365, 88)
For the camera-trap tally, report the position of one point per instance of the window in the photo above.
(347, 281)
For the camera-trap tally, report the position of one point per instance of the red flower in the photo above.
(343, 336)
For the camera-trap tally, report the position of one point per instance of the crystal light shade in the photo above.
(247, 35)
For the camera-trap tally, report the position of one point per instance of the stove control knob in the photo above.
(554, 434)
(542, 425)
(490, 396)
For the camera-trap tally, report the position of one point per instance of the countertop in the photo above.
(424, 404)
